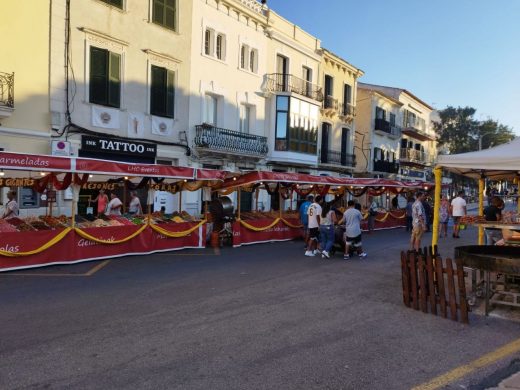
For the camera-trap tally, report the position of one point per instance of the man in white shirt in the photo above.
(313, 213)
(114, 206)
(457, 210)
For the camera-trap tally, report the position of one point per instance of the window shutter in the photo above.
(158, 12)
(170, 14)
(98, 76)
(157, 93)
(170, 94)
(347, 94)
(114, 80)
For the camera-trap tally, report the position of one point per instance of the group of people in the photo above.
(320, 219)
(115, 205)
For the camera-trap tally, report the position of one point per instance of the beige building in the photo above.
(337, 115)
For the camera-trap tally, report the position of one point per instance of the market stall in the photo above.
(44, 239)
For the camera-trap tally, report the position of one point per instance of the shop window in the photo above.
(162, 92)
(105, 77)
(164, 13)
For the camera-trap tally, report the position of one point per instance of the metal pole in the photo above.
(481, 209)
(437, 205)
(239, 195)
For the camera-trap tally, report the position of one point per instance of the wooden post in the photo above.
(431, 285)
(481, 209)
(239, 196)
(451, 289)
(437, 204)
(406, 279)
(440, 284)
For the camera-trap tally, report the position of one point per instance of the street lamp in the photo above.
(480, 137)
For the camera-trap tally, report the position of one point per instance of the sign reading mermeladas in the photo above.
(99, 186)
(16, 182)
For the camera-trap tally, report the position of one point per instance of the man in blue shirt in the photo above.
(304, 218)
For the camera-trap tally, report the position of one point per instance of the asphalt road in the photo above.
(257, 317)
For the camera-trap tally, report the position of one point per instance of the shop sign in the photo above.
(164, 187)
(99, 186)
(118, 146)
(17, 182)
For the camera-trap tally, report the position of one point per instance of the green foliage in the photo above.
(459, 132)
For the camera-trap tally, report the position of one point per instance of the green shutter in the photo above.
(157, 100)
(114, 80)
(170, 94)
(98, 76)
(158, 12)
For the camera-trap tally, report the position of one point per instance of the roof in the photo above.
(399, 90)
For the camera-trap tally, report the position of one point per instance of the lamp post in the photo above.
(480, 137)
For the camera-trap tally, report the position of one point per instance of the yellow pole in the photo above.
(437, 205)
(481, 209)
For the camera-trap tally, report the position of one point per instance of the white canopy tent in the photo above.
(499, 162)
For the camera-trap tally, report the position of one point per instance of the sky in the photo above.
(446, 52)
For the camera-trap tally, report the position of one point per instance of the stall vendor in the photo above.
(134, 207)
(102, 201)
(114, 206)
(11, 207)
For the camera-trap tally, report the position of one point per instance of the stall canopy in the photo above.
(500, 162)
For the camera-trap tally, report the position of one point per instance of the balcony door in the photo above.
(325, 134)
(344, 145)
(307, 79)
(282, 68)
(329, 84)
(347, 99)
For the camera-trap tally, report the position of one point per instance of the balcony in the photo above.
(6, 94)
(347, 112)
(333, 157)
(414, 156)
(279, 82)
(216, 140)
(386, 166)
(386, 128)
(417, 130)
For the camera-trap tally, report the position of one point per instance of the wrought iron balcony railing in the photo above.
(386, 166)
(330, 103)
(387, 127)
(413, 155)
(347, 109)
(230, 141)
(7, 89)
(279, 82)
(334, 157)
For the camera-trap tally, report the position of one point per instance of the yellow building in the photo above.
(337, 127)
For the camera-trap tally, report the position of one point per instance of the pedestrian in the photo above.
(395, 202)
(313, 213)
(493, 213)
(444, 216)
(372, 213)
(114, 206)
(304, 218)
(427, 213)
(134, 208)
(352, 220)
(102, 201)
(11, 208)
(327, 222)
(409, 218)
(418, 222)
(457, 210)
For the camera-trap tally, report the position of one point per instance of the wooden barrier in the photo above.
(432, 285)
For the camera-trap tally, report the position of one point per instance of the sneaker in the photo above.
(346, 257)
(317, 252)
(362, 255)
(309, 253)
(325, 255)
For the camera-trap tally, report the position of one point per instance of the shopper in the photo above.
(444, 216)
(114, 206)
(458, 210)
(418, 222)
(327, 222)
(372, 213)
(427, 213)
(493, 213)
(304, 218)
(134, 208)
(409, 218)
(11, 207)
(102, 201)
(313, 214)
(352, 220)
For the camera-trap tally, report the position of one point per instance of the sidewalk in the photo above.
(512, 383)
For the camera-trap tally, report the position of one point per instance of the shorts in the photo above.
(417, 232)
(314, 234)
(456, 219)
(353, 241)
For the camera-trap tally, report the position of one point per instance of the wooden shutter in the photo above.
(170, 93)
(157, 92)
(114, 80)
(98, 76)
(158, 12)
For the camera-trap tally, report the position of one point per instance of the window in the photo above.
(380, 113)
(245, 118)
(253, 63)
(208, 42)
(243, 56)
(115, 3)
(164, 13)
(210, 109)
(392, 119)
(162, 94)
(105, 77)
(220, 46)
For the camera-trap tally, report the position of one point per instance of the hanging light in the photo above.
(234, 178)
(126, 177)
(91, 176)
(2, 173)
(43, 173)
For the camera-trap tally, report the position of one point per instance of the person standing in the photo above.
(418, 222)
(313, 213)
(409, 218)
(427, 213)
(444, 216)
(493, 213)
(304, 218)
(102, 201)
(327, 221)
(134, 207)
(352, 220)
(458, 210)
(114, 206)
(11, 208)
(372, 213)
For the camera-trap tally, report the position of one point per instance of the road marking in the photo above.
(97, 268)
(89, 273)
(464, 370)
